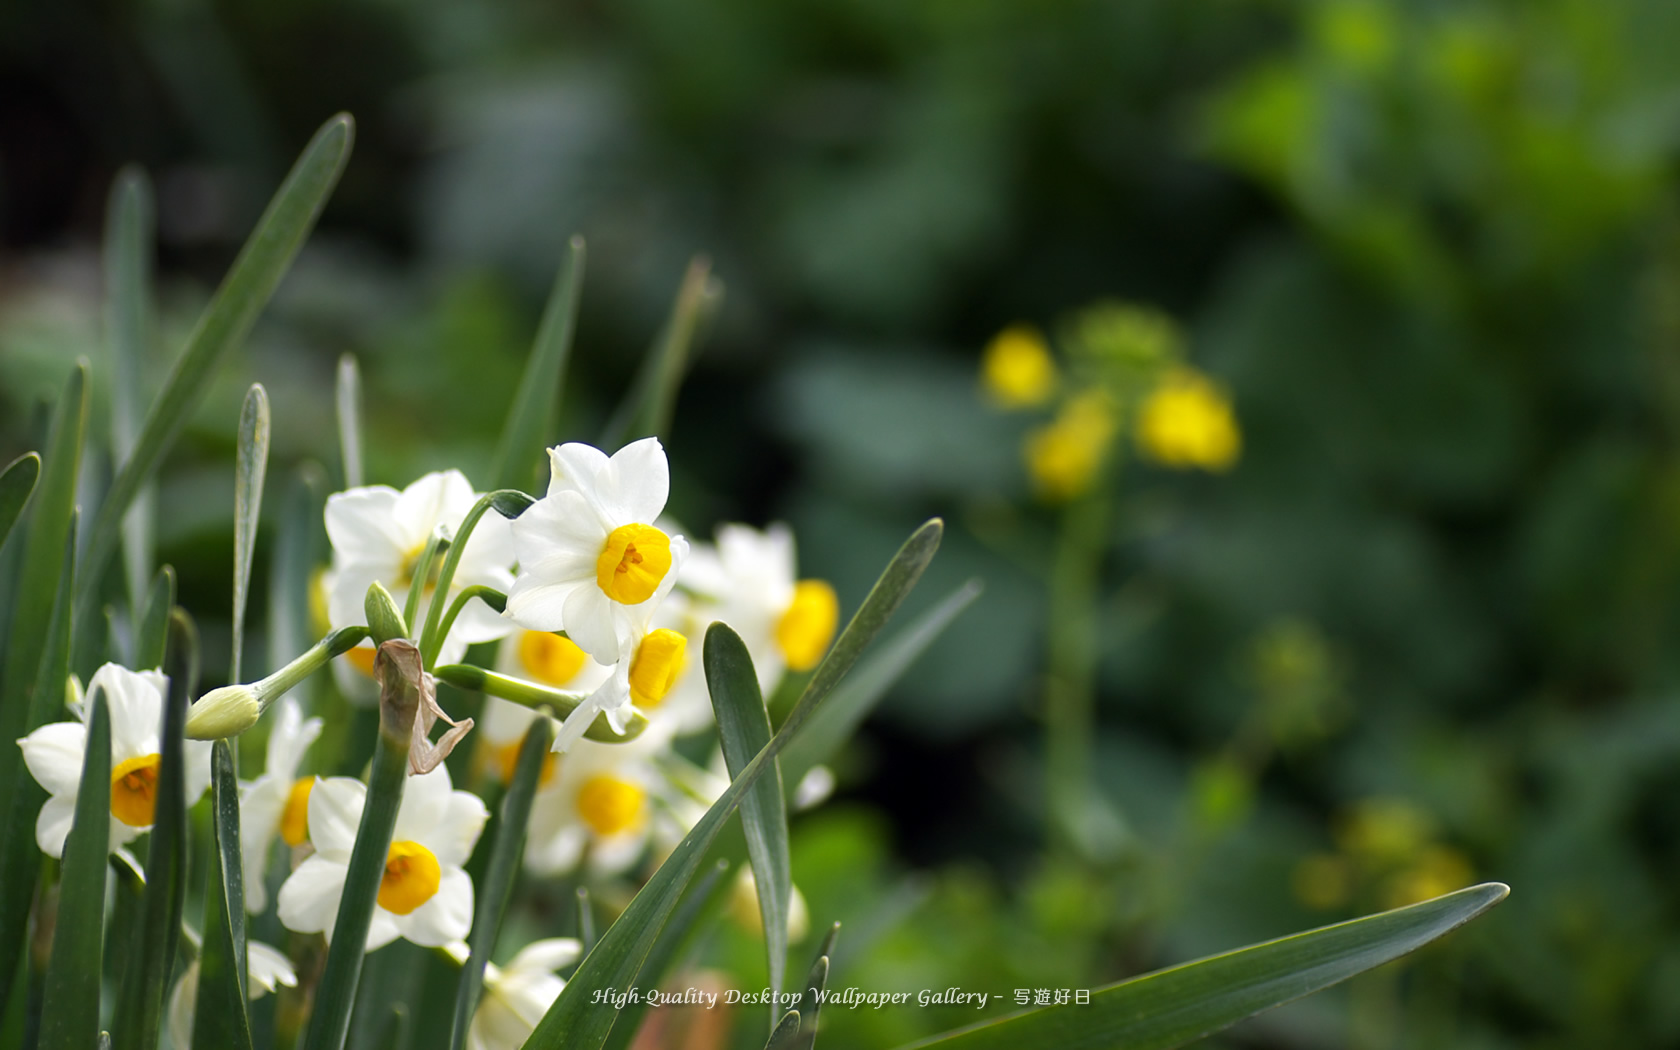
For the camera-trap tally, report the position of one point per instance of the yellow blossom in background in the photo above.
(1323, 881)
(1187, 422)
(1384, 831)
(1437, 870)
(1065, 455)
(1017, 370)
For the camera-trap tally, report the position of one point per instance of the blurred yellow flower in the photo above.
(1437, 870)
(1187, 422)
(1383, 831)
(1017, 370)
(1065, 455)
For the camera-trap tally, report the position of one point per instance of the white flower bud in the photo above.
(223, 712)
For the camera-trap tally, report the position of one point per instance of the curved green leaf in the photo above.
(512, 823)
(128, 265)
(154, 622)
(1177, 1006)
(786, 1033)
(17, 481)
(744, 729)
(70, 1003)
(145, 980)
(220, 1019)
(44, 572)
(246, 289)
(702, 905)
(573, 1022)
(250, 470)
(652, 399)
(864, 688)
(397, 669)
(811, 996)
(518, 453)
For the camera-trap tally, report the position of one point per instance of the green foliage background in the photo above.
(1430, 248)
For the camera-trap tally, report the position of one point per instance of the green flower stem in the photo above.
(431, 639)
(417, 579)
(308, 662)
(532, 695)
(1072, 667)
(397, 668)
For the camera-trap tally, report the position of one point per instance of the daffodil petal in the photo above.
(335, 811)
(446, 917)
(309, 898)
(54, 754)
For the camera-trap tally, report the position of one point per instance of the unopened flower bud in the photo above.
(223, 712)
(384, 619)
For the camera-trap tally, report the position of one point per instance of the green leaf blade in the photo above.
(652, 399)
(220, 1019)
(129, 244)
(246, 289)
(250, 471)
(505, 857)
(153, 637)
(529, 421)
(145, 979)
(40, 582)
(865, 686)
(1176, 1006)
(17, 481)
(70, 1002)
(744, 728)
(396, 666)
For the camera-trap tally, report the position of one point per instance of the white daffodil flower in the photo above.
(278, 801)
(266, 969)
(591, 562)
(378, 534)
(425, 896)
(601, 800)
(55, 751)
(517, 995)
(749, 582)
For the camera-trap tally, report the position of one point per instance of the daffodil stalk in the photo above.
(232, 709)
(431, 636)
(397, 668)
(1072, 665)
(497, 600)
(532, 695)
(422, 573)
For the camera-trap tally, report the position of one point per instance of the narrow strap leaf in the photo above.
(220, 1019)
(1177, 1006)
(154, 621)
(512, 822)
(295, 541)
(42, 574)
(145, 979)
(70, 1002)
(531, 418)
(246, 289)
(702, 905)
(572, 1022)
(786, 1034)
(864, 687)
(585, 919)
(397, 669)
(17, 481)
(744, 728)
(128, 265)
(652, 399)
(250, 469)
(810, 998)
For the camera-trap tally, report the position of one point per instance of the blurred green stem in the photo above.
(1072, 672)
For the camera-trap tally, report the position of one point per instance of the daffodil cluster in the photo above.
(577, 607)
